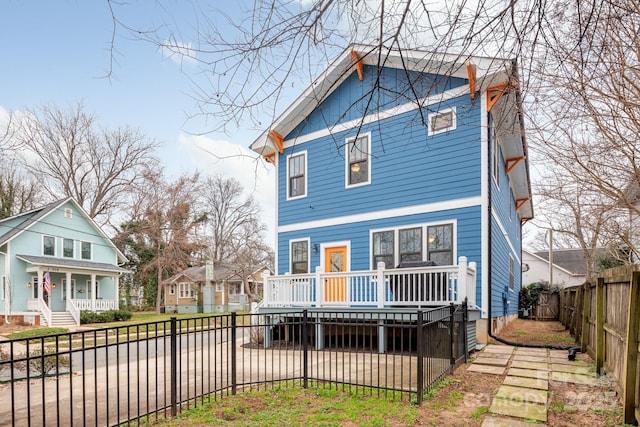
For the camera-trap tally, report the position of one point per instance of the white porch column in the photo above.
(381, 285)
(116, 280)
(68, 290)
(462, 280)
(319, 287)
(93, 292)
(266, 288)
(40, 283)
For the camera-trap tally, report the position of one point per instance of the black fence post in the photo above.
(305, 349)
(465, 319)
(452, 310)
(234, 379)
(420, 361)
(174, 367)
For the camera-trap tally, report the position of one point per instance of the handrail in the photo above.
(45, 310)
(74, 310)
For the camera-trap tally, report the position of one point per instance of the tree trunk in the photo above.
(159, 293)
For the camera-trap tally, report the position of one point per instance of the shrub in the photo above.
(105, 316)
(44, 363)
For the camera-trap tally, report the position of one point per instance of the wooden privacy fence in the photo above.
(604, 316)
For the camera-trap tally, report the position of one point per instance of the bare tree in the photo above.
(17, 192)
(161, 228)
(71, 155)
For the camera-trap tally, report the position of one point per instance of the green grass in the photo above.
(295, 406)
(37, 333)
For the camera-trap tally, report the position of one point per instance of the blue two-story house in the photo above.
(54, 262)
(401, 159)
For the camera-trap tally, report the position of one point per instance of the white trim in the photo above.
(348, 141)
(387, 213)
(303, 239)
(485, 238)
(68, 213)
(424, 226)
(328, 245)
(63, 285)
(503, 230)
(73, 248)
(90, 246)
(306, 174)
(276, 184)
(512, 274)
(431, 116)
(378, 116)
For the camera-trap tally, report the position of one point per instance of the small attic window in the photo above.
(442, 121)
(68, 213)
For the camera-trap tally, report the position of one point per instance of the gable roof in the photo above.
(198, 274)
(489, 72)
(572, 260)
(36, 215)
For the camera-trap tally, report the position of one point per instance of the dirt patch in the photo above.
(12, 328)
(527, 331)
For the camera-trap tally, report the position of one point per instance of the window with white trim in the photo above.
(511, 273)
(383, 249)
(358, 159)
(300, 257)
(442, 121)
(296, 175)
(89, 289)
(185, 290)
(410, 244)
(49, 245)
(67, 248)
(172, 289)
(68, 213)
(86, 250)
(64, 289)
(440, 244)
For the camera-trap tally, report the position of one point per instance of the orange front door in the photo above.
(335, 260)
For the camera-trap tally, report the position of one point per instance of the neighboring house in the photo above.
(569, 266)
(432, 169)
(57, 245)
(190, 292)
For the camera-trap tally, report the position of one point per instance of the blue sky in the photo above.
(57, 52)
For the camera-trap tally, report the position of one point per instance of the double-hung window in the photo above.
(49, 245)
(410, 244)
(383, 249)
(67, 248)
(86, 250)
(440, 244)
(358, 158)
(300, 257)
(297, 175)
(185, 290)
(511, 273)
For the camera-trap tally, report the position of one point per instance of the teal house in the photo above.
(54, 262)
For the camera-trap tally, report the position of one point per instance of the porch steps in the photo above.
(59, 318)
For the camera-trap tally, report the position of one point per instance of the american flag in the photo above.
(47, 283)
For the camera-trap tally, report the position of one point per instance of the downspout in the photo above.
(6, 313)
(489, 255)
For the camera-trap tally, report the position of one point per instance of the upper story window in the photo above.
(383, 249)
(67, 248)
(297, 175)
(410, 244)
(358, 160)
(185, 290)
(86, 250)
(442, 121)
(300, 257)
(49, 245)
(440, 244)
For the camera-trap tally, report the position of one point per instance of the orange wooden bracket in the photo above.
(523, 221)
(492, 97)
(511, 163)
(521, 202)
(471, 72)
(359, 65)
(278, 139)
(271, 158)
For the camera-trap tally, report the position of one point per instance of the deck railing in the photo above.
(95, 305)
(402, 287)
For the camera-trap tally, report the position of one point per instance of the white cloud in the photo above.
(217, 156)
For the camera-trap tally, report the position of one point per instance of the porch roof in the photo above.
(71, 263)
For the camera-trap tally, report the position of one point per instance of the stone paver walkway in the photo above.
(523, 396)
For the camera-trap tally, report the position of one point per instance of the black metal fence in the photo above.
(138, 374)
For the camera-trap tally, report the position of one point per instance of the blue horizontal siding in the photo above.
(500, 252)
(353, 99)
(408, 167)
(358, 234)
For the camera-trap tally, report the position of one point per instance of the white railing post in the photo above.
(461, 291)
(381, 287)
(319, 287)
(266, 288)
(471, 285)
